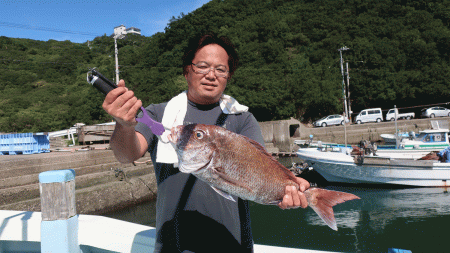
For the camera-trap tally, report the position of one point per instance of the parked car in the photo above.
(436, 111)
(393, 112)
(329, 120)
(369, 115)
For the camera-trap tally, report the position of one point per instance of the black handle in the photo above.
(100, 82)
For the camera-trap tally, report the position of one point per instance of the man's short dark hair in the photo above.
(197, 43)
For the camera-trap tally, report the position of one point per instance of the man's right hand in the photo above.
(122, 105)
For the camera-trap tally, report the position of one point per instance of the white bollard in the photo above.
(59, 225)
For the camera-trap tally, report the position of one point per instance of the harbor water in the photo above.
(406, 218)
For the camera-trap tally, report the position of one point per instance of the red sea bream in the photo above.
(236, 165)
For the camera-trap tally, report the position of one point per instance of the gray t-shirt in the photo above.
(190, 215)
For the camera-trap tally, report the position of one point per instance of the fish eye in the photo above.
(199, 135)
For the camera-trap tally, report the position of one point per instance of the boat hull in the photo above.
(341, 168)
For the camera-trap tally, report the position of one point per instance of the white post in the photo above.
(117, 60)
(348, 95)
(396, 133)
(59, 225)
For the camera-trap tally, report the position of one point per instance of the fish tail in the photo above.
(322, 202)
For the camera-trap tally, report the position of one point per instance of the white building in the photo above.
(122, 30)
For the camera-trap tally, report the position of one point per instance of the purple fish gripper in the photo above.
(156, 127)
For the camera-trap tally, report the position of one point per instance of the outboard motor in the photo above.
(368, 147)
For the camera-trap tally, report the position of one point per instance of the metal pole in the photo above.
(117, 60)
(348, 96)
(396, 134)
(343, 81)
(345, 136)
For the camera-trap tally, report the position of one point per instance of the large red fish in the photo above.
(234, 164)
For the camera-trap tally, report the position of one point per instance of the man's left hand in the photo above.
(294, 198)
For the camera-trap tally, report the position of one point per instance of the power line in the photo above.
(47, 29)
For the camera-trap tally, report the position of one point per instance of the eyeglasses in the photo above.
(204, 68)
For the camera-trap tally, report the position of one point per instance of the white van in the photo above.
(369, 115)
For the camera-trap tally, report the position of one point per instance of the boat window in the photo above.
(440, 137)
(421, 136)
(436, 137)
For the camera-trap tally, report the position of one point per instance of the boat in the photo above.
(21, 232)
(417, 146)
(390, 139)
(340, 165)
(431, 139)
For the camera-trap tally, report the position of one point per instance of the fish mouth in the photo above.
(173, 135)
(204, 166)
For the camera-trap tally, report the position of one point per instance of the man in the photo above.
(444, 155)
(190, 214)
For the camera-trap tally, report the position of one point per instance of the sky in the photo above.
(83, 20)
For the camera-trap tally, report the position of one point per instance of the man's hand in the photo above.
(294, 198)
(122, 105)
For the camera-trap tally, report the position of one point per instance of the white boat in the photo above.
(390, 139)
(337, 165)
(431, 139)
(417, 146)
(20, 231)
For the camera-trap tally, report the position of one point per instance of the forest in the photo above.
(289, 61)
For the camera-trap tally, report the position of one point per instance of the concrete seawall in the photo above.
(279, 136)
(102, 183)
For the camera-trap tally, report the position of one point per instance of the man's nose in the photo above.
(211, 73)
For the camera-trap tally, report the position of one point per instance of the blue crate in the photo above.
(24, 143)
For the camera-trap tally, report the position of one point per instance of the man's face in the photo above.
(207, 88)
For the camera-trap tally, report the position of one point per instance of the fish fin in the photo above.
(275, 202)
(224, 194)
(322, 202)
(264, 152)
(260, 148)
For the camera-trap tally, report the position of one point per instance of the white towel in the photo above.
(174, 114)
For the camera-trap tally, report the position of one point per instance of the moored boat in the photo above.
(338, 165)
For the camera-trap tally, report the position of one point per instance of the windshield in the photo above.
(431, 137)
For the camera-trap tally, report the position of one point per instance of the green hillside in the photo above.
(289, 62)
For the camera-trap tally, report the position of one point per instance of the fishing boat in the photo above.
(414, 146)
(341, 166)
(417, 146)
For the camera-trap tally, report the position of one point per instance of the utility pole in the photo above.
(343, 80)
(117, 36)
(348, 95)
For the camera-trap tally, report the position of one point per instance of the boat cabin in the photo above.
(431, 138)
